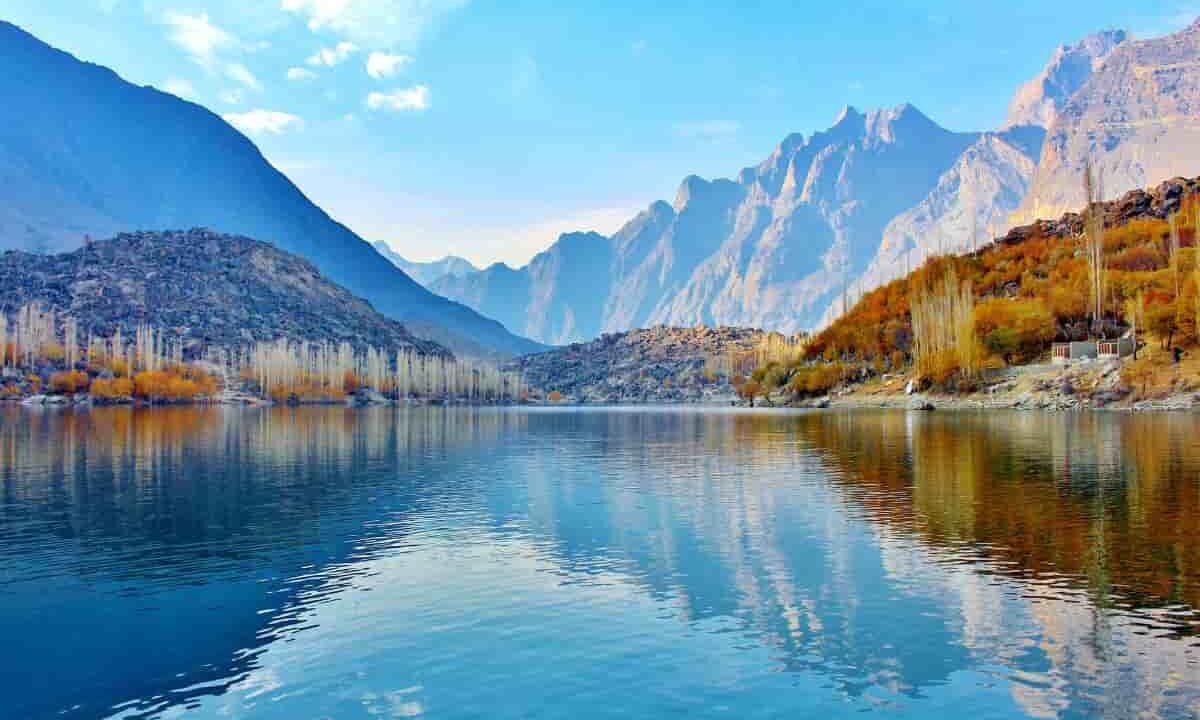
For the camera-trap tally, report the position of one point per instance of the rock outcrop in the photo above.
(204, 288)
(658, 364)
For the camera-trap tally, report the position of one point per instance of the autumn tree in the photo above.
(943, 323)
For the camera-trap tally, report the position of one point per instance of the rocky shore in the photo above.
(1092, 385)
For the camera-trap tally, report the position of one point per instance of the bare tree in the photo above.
(1093, 231)
(1173, 249)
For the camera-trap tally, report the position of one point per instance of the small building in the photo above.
(1063, 353)
(1119, 348)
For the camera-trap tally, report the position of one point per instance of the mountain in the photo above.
(1137, 117)
(768, 249)
(204, 288)
(827, 218)
(1039, 101)
(966, 208)
(557, 297)
(427, 273)
(803, 220)
(84, 152)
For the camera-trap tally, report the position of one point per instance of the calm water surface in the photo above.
(459, 563)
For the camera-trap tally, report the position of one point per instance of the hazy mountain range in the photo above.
(826, 217)
(84, 152)
(427, 273)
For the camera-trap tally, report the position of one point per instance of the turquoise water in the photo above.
(466, 563)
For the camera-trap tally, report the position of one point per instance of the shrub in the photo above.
(1138, 259)
(115, 389)
(1016, 329)
(1160, 320)
(770, 377)
(749, 390)
(175, 384)
(68, 382)
(816, 379)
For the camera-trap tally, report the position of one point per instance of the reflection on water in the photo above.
(500, 563)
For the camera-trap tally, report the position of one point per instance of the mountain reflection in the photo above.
(1058, 555)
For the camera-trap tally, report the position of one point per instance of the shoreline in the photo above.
(917, 402)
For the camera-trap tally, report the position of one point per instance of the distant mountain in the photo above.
(427, 273)
(769, 249)
(206, 289)
(557, 297)
(828, 217)
(1137, 117)
(84, 152)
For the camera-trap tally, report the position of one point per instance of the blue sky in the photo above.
(486, 128)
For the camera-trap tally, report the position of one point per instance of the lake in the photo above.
(201, 562)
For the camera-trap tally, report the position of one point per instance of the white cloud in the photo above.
(179, 87)
(241, 74)
(197, 36)
(297, 74)
(335, 55)
(374, 22)
(416, 98)
(262, 122)
(707, 129)
(383, 65)
(232, 96)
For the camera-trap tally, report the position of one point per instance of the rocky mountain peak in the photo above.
(1040, 100)
(695, 188)
(570, 241)
(848, 115)
(887, 124)
(1134, 117)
